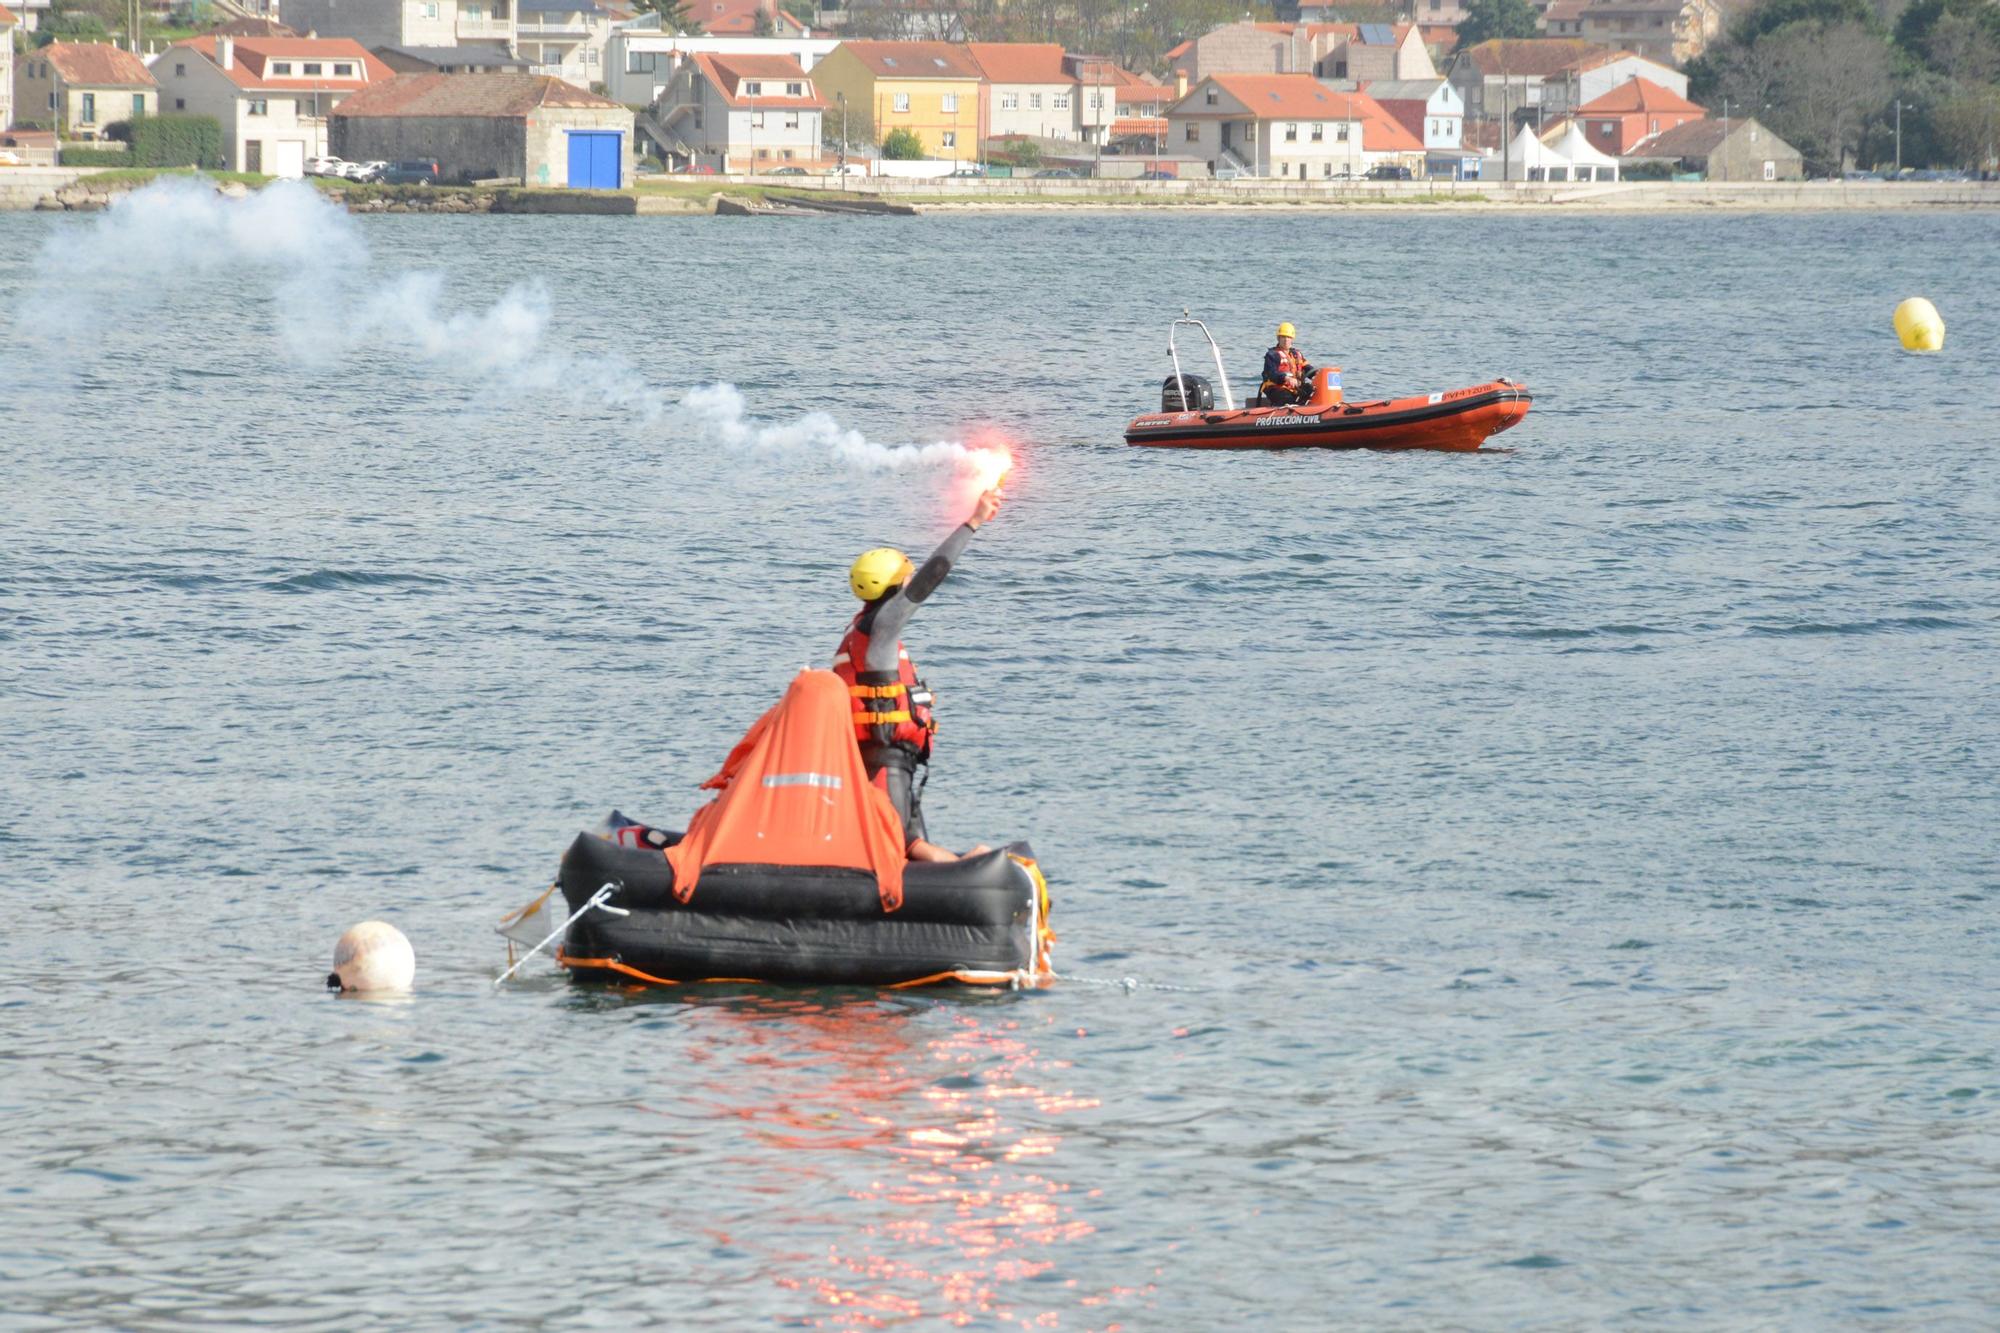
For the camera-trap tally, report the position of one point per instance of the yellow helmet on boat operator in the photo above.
(875, 572)
(1285, 330)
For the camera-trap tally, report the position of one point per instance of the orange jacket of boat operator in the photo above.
(1284, 368)
(890, 707)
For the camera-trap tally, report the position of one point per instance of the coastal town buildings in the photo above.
(270, 95)
(640, 59)
(1359, 51)
(1518, 75)
(1743, 149)
(80, 88)
(1671, 32)
(9, 24)
(526, 127)
(407, 23)
(1287, 126)
(1633, 111)
(744, 18)
(1027, 89)
(932, 89)
(1434, 113)
(739, 113)
(564, 39)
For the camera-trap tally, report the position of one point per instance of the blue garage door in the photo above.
(594, 159)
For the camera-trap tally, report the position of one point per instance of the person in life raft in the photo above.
(1288, 376)
(892, 707)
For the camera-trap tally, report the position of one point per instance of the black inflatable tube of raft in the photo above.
(796, 923)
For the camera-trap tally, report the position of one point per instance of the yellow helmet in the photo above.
(875, 572)
(1285, 330)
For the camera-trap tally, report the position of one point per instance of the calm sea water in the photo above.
(1558, 885)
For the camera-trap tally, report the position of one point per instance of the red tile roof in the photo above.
(250, 68)
(1020, 62)
(1529, 57)
(1637, 95)
(1380, 131)
(502, 96)
(1277, 96)
(913, 60)
(7, 19)
(1137, 127)
(95, 64)
(728, 73)
(738, 18)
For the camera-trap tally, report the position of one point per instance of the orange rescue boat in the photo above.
(1458, 419)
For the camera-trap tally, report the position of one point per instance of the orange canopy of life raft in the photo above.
(795, 793)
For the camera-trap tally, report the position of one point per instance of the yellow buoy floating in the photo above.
(1920, 326)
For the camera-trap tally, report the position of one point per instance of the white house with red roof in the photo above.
(271, 95)
(80, 88)
(1634, 110)
(1027, 88)
(1288, 126)
(735, 113)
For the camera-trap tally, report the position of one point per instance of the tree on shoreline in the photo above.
(1486, 20)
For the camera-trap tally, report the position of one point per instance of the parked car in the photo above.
(1388, 171)
(1225, 172)
(421, 172)
(324, 166)
(791, 171)
(1059, 174)
(361, 171)
(1158, 176)
(970, 171)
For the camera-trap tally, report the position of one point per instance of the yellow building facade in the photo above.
(931, 89)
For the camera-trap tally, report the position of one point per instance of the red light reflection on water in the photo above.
(962, 1197)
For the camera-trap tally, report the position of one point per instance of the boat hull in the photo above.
(1458, 421)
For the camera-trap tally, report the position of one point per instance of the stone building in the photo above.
(80, 88)
(532, 128)
(1742, 149)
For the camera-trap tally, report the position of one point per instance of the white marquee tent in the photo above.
(1586, 162)
(1527, 159)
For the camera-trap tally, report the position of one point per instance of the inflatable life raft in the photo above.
(980, 921)
(795, 872)
(1459, 420)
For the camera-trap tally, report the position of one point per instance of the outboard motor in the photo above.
(1198, 398)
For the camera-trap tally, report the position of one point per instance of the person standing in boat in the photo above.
(1287, 374)
(892, 708)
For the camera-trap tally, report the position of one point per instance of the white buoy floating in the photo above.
(1920, 326)
(373, 956)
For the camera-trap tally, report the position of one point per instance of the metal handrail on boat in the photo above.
(1180, 382)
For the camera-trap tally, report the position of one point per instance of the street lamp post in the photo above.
(1725, 139)
(1899, 136)
(840, 158)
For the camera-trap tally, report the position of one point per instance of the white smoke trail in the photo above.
(172, 238)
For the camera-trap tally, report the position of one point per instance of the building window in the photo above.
(89, 108)
(1340, 132)
(1060, 101)
(1319, 131)
(180, 104)
(259, 107)
(786, 154)
(1291, 132)
(948, 103)
(752, 88)
(1213, 98)
(1034, 101)
(430, 9)
(313, 69)
(1010, 101)
(180, 71)
(1250, 132)
(949, 138)
(756, 120)
(791, 120)
(343, 71)
(1326, 169)
(902, 102)
(1097, 101)
(138, 104)
(280, 67)
(1605, 129)
(1193, 134)
(795, 90)
(1340, 69)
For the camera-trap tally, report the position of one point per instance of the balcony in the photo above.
(488, 29)
(535, 27)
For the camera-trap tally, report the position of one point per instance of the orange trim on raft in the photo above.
(613, 965)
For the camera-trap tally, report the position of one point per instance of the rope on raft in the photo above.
(596, 900)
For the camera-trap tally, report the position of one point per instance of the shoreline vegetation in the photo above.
(86, 189)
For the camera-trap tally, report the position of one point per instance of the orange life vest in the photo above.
(890, 707)
(1292, 366)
